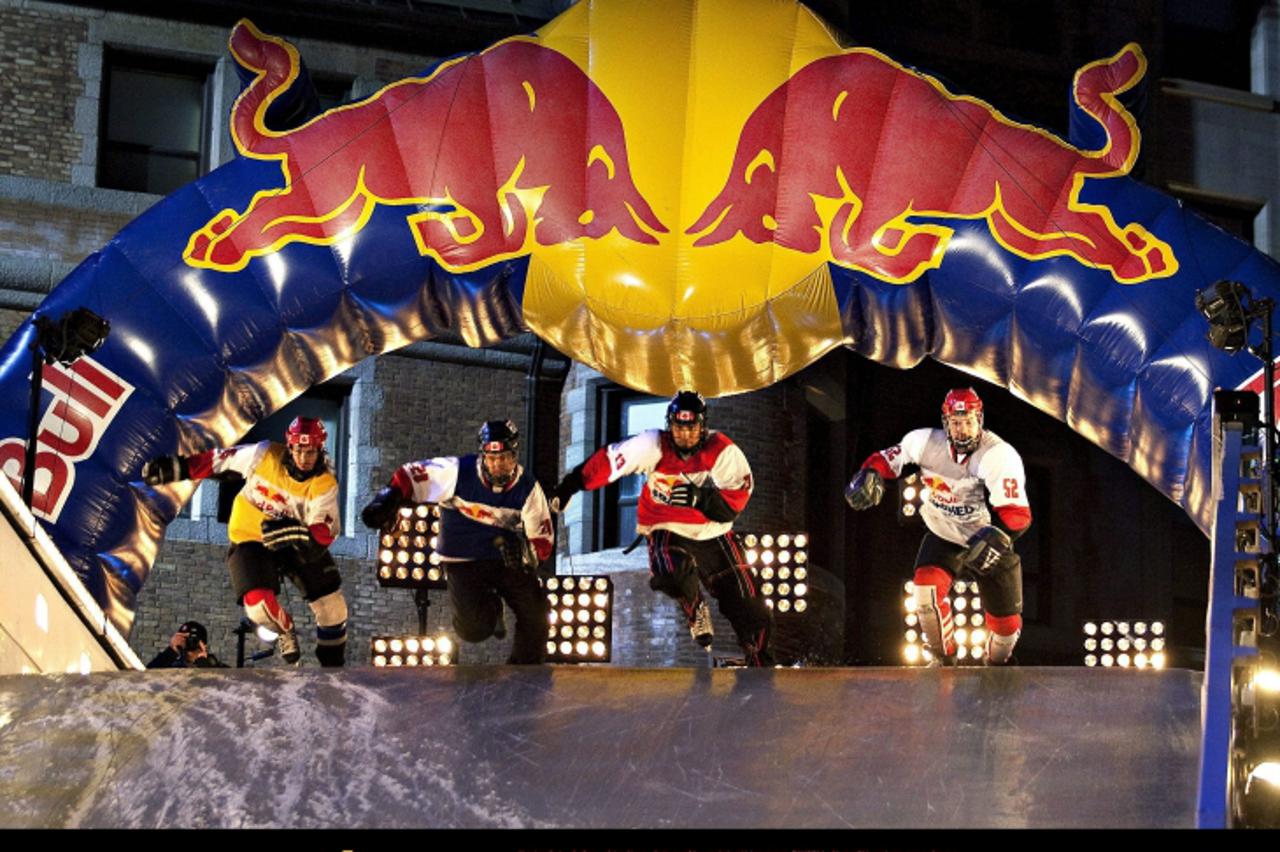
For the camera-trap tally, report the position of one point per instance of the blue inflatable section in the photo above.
(196, 356)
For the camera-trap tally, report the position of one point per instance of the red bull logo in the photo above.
(874, 207)
(498, 152)
(936, 484)
(476, 512)
(86, 399)
(269, 498)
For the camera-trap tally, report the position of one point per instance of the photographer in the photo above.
(188, 649)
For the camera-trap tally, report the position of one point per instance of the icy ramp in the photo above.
(600, 747)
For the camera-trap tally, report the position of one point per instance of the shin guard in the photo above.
(331, 628)
(934, 611)
(1002, 634)
(265, 611)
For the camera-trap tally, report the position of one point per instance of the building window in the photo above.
(154, 123)
(621, 413)
(331, 91)
(327, 403)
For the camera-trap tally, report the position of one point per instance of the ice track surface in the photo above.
(601, 747)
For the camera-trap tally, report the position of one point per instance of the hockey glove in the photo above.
(382, 509)
(706, 498)
(865, 490)
(162, 470)
(685, 494)
(985, 550)
(565, 489)
(282, 533)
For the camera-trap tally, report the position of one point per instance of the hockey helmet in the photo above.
(960, 403)
(305, 432)
(498, 436)
(688, 408)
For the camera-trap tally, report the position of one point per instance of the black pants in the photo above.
(1001, 588)
(252, 566)
(477, 589)
(677, 565)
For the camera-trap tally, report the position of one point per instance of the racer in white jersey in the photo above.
(697, 483)
(976, 507)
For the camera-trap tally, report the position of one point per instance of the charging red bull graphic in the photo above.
(678, 193)
(892, 152)
(490, 150)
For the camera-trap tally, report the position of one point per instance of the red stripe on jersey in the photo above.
(595, 473)
(403, 483)
(322, 533)
(880, 464)
(737, 498)
(200, 465)
(1015, 517)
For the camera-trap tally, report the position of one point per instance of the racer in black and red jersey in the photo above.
(697, 482)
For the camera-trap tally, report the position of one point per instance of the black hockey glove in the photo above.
(382, 509)
(283, 533)
(986, 548)
(706, 498)
(162, 470)
(865, 490)
(565, 489)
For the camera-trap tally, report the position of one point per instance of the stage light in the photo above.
(911, 494)
(1223, 306)
(1266, 680)
(1135, 644)
(406, 552)
(778, 560)
(412, 651)
(580, 619)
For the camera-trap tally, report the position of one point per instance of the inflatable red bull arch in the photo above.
(624, 186)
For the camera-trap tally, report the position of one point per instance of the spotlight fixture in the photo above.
(1223, 306)
(410, 651)
(780, 562)
(71, 336)
(64, 340)
(1124, 644)
(579, 619)
(407, 556)
(966, 616)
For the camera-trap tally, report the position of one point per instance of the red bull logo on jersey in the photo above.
(491, 155)
(268, 499)
(935, 484)
(476, 512)
(86, 399)
(874, 195)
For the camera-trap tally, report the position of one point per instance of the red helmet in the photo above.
(305, 432)
(962, 401)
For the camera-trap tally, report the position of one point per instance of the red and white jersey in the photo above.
(651, 452)
(270, 492)
(958, 489)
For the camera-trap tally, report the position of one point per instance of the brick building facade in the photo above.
(802, 436)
